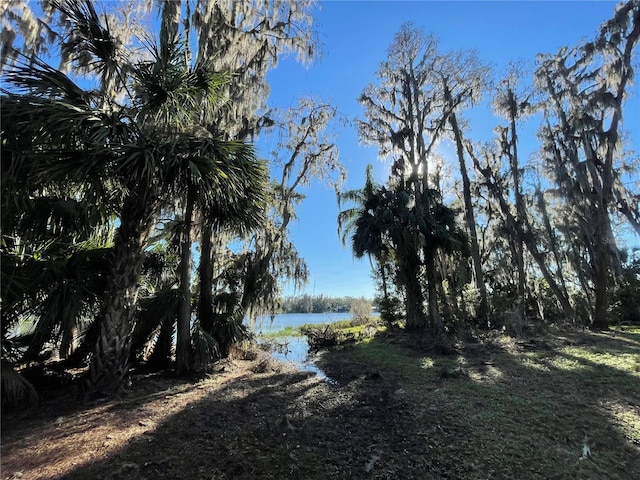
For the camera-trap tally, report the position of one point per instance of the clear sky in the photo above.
(355, 37)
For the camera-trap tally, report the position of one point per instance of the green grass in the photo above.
(521, 411)
(285, 332)
(627, 328)
(343, 327)
(344, 324)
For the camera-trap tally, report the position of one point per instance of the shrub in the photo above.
(361, 311)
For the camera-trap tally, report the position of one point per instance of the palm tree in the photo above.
(362, 199)
(440, 232)
(69, 134)
(379, 225)
(390, 220)
(56, 233)
(52, 276)
(178, 100)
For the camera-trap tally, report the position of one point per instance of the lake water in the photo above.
(295, 349)
(282, 320)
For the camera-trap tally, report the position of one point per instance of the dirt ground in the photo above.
(251, 419)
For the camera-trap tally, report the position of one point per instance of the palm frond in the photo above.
(45, 217)
(16, 390)
(205, 348)
(229, 181)
(70, 291)
(154, 311)
(174, 97)
(33, 76)
(58, 287)
(89, 44)
(54, 141)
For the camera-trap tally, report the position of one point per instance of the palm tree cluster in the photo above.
(109, 174)
(401, 239)
(529, 241)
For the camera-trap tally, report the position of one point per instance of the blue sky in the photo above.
(355, 37)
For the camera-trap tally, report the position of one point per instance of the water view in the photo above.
(267, 324)
(295, 349)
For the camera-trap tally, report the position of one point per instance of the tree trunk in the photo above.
(551, 234)
(183, 339)
(604, 261)
(514, 164)
(600, 264)
(601, 293)
(205, 302)
(409, 272)
(435, 321)
(521, 291)
(539, 258)
(483, 310)
(444, 298)
(110, 362)
(528, 239)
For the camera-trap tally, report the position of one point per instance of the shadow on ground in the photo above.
(498, 409)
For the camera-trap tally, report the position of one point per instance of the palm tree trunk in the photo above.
(409, 272)
(183, 340)
(205, 271)
(110, 362)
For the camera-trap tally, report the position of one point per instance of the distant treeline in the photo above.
(318, 304)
